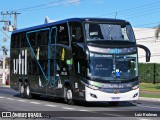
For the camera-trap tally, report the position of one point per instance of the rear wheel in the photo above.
(21, 90)
(27, 91)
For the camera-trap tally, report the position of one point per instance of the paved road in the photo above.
(10, 101)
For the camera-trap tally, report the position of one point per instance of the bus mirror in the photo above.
(148, 53)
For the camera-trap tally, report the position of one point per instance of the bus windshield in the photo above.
(112, 67)
(107, 31)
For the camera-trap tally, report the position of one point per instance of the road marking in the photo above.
(113, 115)
(22, 100)
(2, 97)
(83, 110)
(50, 105)
(142, 119)
(10, 99)
(35, 103)
(67, 108)
(149, 107)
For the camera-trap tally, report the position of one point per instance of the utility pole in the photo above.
(4, 52)
(15, 19)
(15, 14)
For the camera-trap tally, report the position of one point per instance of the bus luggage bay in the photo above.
(89, 59)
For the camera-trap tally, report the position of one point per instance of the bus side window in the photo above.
(32, 38)
(43, 37)
(13, 41)
(53, 36)
(62, 34)
(16, 43)
(24, 42)
(76, 32)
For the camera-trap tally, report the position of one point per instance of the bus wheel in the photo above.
(27, 91)
(68, 96)
(21, 90)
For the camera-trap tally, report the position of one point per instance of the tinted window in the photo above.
(24, 42)
(15, 42)
(43, 37)
(53, 36)
(32, 38)
(76, 32)
(62, 34)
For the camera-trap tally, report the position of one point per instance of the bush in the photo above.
(149, 73)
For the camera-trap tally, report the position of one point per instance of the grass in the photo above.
(150, 90)
(149, 95)
(150, 87)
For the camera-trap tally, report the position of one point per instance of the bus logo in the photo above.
(116, 91)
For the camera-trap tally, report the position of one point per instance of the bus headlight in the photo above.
(93, 87)
(135, 87)
(90, 86)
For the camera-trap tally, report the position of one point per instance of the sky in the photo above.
(140, 13)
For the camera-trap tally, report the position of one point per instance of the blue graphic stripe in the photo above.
(33, 50)
(52, 83)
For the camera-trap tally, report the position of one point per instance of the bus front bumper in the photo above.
(96, 95)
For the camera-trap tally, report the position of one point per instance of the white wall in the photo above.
(146, 37)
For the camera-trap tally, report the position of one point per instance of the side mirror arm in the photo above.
(148, 53)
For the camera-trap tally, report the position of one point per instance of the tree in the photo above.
(157, 32)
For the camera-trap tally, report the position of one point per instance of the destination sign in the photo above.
(129, 50)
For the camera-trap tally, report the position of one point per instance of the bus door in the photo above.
(61, 59)
(52, 62)
(38, 60)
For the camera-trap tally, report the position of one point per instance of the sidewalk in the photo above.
(4, 85)
(150, 99)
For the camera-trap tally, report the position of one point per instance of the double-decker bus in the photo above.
(89, 59)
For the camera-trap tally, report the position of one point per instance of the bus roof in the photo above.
(70, 20)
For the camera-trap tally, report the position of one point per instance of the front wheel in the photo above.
(68, 95)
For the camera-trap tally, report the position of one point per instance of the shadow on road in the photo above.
(83, 103)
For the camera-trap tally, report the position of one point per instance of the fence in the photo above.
(149, 73)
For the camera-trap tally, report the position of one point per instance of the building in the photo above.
(146, 37)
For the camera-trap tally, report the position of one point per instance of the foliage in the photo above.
(149, 87)
(157, 32)
(148, 73)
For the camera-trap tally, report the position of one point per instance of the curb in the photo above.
(150, 99)
(7, 86)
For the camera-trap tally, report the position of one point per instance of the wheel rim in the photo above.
(27, 90)
(69, 94)
(22, 89)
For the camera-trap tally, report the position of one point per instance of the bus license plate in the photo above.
(115, 98)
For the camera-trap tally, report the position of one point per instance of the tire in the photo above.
(21, 90)
(27, 91)
(68, 95)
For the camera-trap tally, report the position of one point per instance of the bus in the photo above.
(85, 59)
